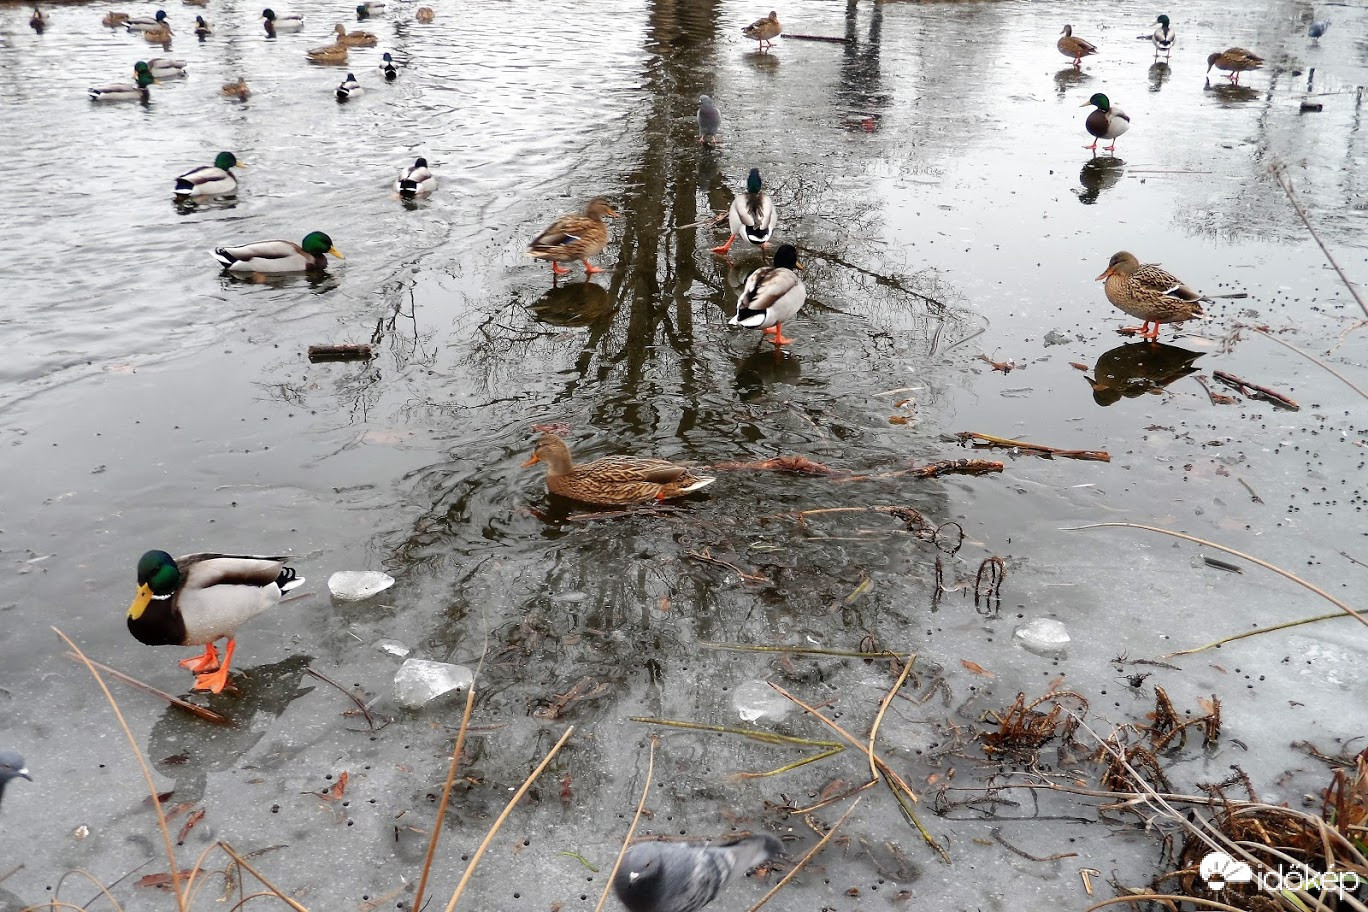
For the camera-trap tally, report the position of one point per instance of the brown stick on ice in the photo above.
(1254, 390)
(1035, 449)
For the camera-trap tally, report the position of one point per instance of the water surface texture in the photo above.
(930, 170)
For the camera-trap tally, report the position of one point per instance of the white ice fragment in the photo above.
(392, 647)
(354, 585)
(757, 700)
(420, 681)
(570, 597)
(1043, 636)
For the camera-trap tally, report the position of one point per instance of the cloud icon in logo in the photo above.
(1219, 869)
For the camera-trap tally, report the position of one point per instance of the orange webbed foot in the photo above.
(215, 681)
(725, 248)
(559, 270)
(590, 270)
(208, 661)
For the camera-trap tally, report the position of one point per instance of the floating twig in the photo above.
(339, 353)
(208, 715)
(1253, 390)
(359, 703)
(508, 809)
(988, 582)
(1034, 449)
(1249, 633)
(1287, 574)
(711, 221)
(627, 839)
(1305, 354)
(831, 748)
(807, 650)
(1005, 367)
(1215, 397)
(1222, 565)
(834, 39)
(706, 557)
(1286, 185)
(798, 465)
(996, 833)
(811, 853)
(1252, 496)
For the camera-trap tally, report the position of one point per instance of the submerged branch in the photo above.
(1034, 449)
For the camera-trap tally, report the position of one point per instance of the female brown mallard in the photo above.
(354, 39)
(613, 480)
(763, 30)
(1234, 61)
(114, 20)
(1073, 47)
(424, 14)
(1150, 294)
(328, 53)
(238, 89)
(575, 237)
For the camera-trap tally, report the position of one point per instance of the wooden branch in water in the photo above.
(208, 715)
(831, 38)
(711, 221)
(1286, 185)
(1253, 390)
(1035, 449)
(339, 353)
(706, 557)
(1305, 354)
(801, 465)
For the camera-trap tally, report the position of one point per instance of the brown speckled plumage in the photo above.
(1149, 293)
(613, 480)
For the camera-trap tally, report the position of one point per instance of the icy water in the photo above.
(930, 170)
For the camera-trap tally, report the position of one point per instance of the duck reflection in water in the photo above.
(1137, 368)
(1097, 175)
(765, 368)
(1232, 94)
(576, 304)
(1159, 73)
(1068, 78)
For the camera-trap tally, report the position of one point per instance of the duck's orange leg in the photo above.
(558, 269)
(1150, 331)
(590, 270)
(202, 663)
(215, 681)
(731, 239)
(778, 337)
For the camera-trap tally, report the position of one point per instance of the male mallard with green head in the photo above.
(751, 215)
(280, 257)
(772, 296)
(613, 480)
(575, 237)
(1150, 294)
(1163, 37)
(210, 180)
(200, 598)
(1106, 122)
(1073, 47)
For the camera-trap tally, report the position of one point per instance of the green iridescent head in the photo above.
(316, 242)
(225, 160)
(753, 182)
(1100, 101)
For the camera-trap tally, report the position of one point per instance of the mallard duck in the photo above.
(237, 89)
(416, 181)
(575, 237)
(1163, 37)
(709, 121)
(1234, 61)
(276, 257)
(209, 180)
(772, 296)
(1316, 29)
(762, 30)
(424, 14)
(751, 216)
(1073, 47)
(1150, 294)
(1107, 122)
(195, 2)
(166, 68)
(160, 36)
(135, 91)
(613, 480)
(114, 20)
(199, 598)
(388, 68)
(369, 8)
(284, 22)
(354, 39)
(328, 53)
(38, 20)
(202, 29)
(349, 88)
(143, 23)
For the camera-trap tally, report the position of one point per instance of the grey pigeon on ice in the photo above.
(1318, 28)
(11, 767)
(686, 876)
(709, 120)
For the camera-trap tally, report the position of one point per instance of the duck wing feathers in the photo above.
(1151, 278)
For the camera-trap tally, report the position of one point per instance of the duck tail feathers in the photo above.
(699, 481)
(751, 319)
(288, 580)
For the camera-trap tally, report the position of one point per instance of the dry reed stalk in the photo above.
(508, 809)
(446, 792)
(806, 858)
(626, 840)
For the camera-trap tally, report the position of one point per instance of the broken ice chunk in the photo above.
(420, 681)
(392, 647)
(757, 700)
(1043, 636)
(354, 585)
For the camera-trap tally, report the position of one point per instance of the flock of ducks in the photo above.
(1108, 121)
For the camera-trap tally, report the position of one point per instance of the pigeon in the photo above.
(709, 120)
(686, 876)
(11, 767)
(1317, 28)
